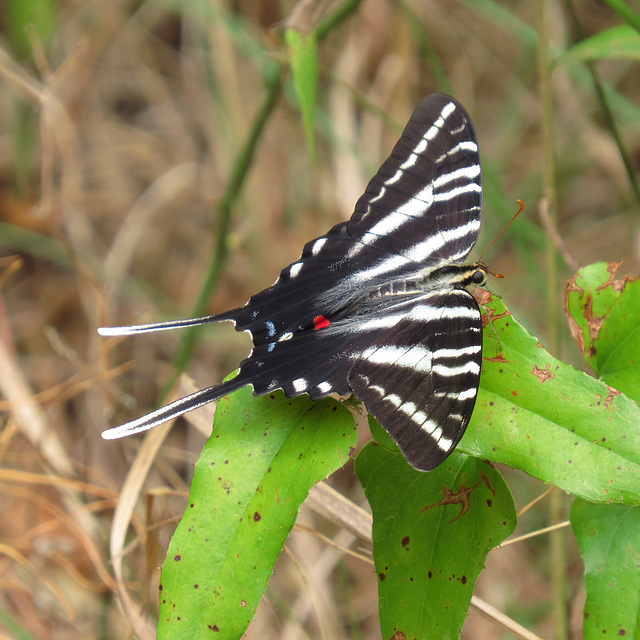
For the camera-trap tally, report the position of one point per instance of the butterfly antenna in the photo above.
(518, 212)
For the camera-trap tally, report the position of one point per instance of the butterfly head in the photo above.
(479, 276)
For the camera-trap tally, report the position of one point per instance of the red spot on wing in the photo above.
(320, 322)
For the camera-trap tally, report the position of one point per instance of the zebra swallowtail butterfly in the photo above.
(379, 306)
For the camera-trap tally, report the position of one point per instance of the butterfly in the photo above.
(378, 307)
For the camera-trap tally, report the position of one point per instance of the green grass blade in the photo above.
(303, 60)
(621, 41)
(41, 16)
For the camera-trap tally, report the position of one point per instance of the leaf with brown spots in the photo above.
(617, 284)
(427, 585)
(603, 310)
(609, 542)
(461, 497)
(252, 476)
(542, 374)
(534, 412)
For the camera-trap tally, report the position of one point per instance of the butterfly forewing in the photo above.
(425, 202)
(421, 210)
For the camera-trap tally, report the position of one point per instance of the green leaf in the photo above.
(609, 541)
(603, 311)
(263, 457)
(431, 534)
(621, 41)
(557, 424)
(303, 60)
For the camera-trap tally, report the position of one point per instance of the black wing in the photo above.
(420, 380)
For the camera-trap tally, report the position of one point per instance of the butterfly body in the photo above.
(379, 305)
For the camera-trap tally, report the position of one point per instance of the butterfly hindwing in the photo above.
(420, 380)
(425, 202)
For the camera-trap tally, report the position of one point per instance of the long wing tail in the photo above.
(165, 326)
(175, 409)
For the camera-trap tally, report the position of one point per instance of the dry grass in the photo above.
(118, 141)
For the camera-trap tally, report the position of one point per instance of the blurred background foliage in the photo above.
(154, 162)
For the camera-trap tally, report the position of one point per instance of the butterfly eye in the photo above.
(478, 277)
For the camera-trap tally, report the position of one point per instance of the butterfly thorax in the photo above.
(397, 292)
(456, 276)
